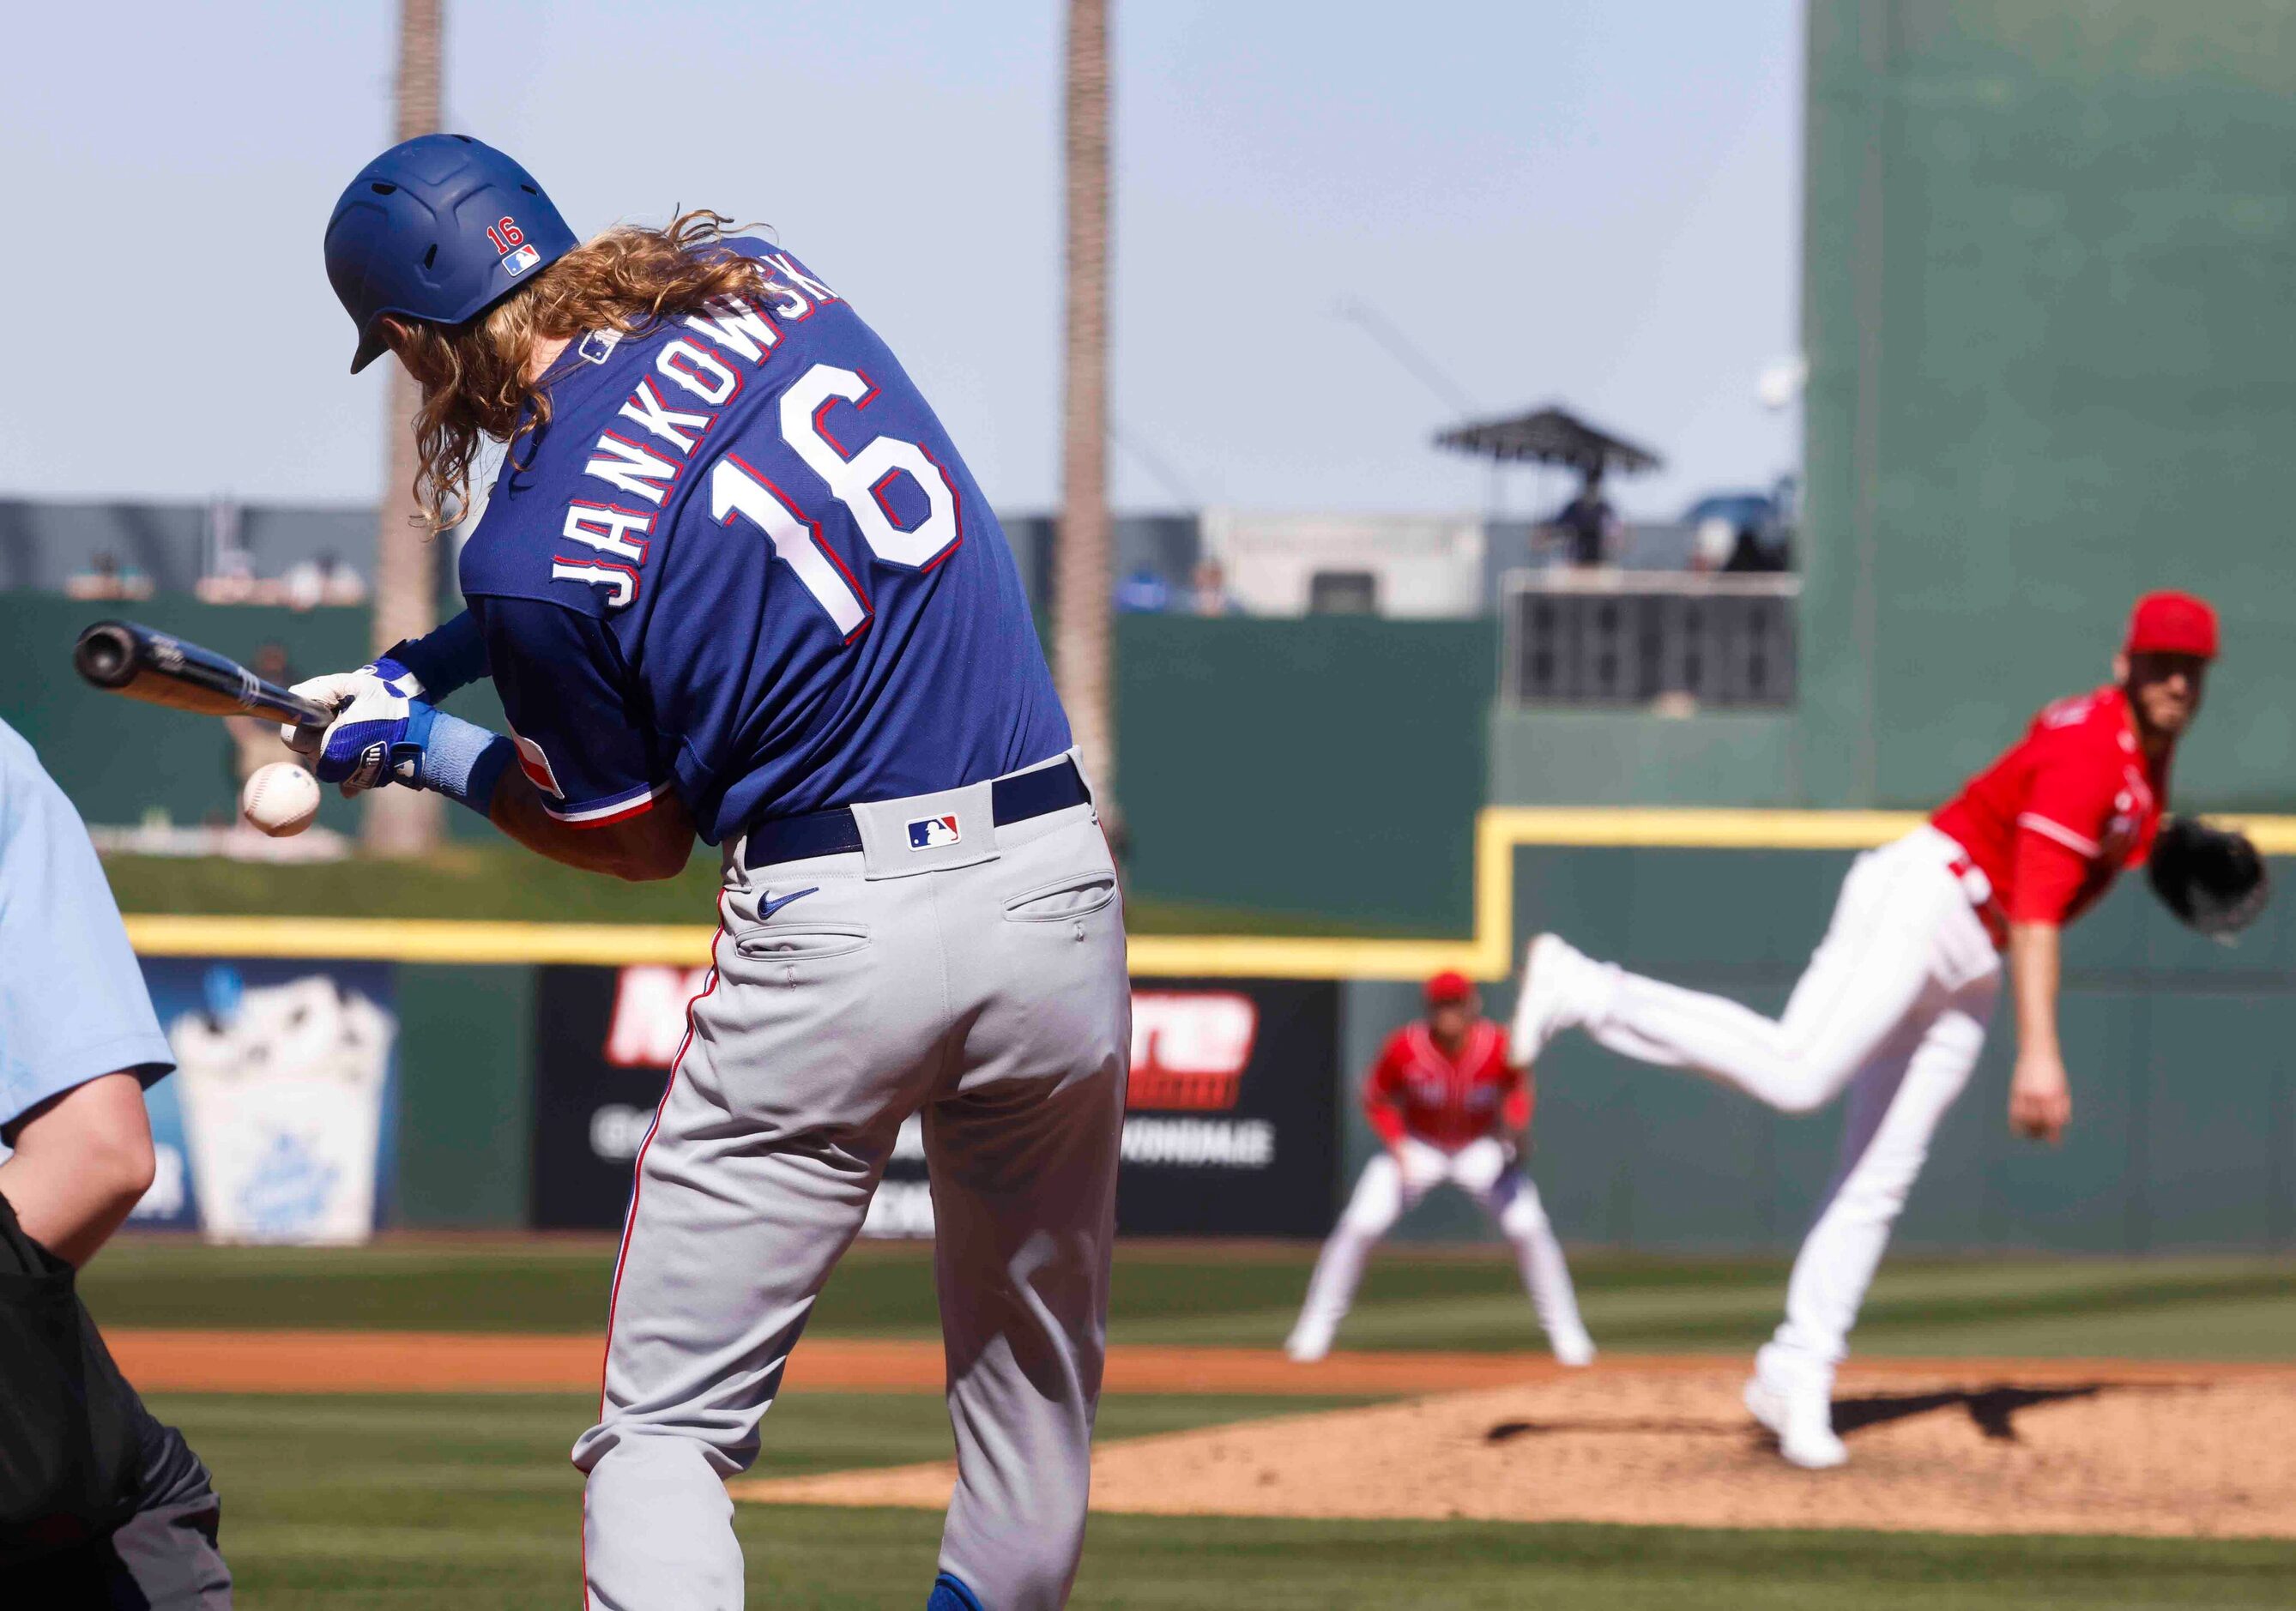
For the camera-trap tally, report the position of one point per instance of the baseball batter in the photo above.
(1894, 1005)
(1453, 1109)
(735, 580)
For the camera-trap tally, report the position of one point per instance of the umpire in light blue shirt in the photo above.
(101, 1506)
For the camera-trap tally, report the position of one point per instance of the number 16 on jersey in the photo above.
(859, 481)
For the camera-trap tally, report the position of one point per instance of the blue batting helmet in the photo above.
(439, 227)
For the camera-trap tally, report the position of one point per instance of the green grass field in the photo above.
(465, 1502)
(2217, 1308)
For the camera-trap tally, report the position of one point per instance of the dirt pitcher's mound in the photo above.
(1977, 1450)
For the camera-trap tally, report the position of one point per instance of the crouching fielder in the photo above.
(1452, 1109)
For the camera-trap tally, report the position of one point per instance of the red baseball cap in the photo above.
(1449, 986)
(2172, 623)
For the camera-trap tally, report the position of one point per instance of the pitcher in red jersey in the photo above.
(1453, 1109)
(1894, 1004)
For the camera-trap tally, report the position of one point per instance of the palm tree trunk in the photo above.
(401, 822)
(1081, 590)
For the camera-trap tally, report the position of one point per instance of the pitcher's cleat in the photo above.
(1802, 1414)
(1550, 968)
(1575, 1349)
(1308, 1343)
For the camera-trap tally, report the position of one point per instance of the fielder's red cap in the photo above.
(2172, 623)
(1447, 987)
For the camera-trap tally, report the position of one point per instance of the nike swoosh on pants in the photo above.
(768, 907)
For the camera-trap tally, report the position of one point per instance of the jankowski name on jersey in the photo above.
(655, 435)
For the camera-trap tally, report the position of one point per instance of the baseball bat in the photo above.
(122, 657)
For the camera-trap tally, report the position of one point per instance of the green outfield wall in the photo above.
(2048, 247)
(1322, 772)
(1602, 757)
(466, 1084)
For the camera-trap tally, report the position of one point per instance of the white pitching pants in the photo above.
(1893, 1008)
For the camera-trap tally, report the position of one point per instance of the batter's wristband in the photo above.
(459, 759)
(451, 657)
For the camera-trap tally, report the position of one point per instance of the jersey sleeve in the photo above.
(581, 740)
(1518, 1097)
(72, 1002)
(2061, 827)
(1381, 1095)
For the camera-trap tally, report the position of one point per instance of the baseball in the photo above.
(279, 799)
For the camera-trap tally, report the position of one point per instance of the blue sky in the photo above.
(1553, 199)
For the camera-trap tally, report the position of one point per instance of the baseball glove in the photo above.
(2211, 878)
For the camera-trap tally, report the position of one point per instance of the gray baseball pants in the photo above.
(981, 982)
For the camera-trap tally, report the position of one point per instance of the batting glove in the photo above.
(372, 707)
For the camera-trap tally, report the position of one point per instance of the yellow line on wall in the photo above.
(418, 939)
(1499, 832)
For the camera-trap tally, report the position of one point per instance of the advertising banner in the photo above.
(278, 1123)
(603, 1041)
(1230, 1130)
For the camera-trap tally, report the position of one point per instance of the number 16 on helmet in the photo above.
(440, 228)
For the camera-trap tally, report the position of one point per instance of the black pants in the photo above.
(78, 1449)
(162, 1559)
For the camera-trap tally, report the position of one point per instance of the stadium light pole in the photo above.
(406, 822)
(1082, 595)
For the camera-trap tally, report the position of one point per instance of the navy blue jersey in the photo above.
(744, 561)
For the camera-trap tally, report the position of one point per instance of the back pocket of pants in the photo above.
(1077, 895)
(814, 943)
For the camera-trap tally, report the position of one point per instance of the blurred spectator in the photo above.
(1208, 593)
(253, 742)
(1587, 526)
(1752, 553)
(326, 580)
(230, 580)
(1743, 532)
(338, 583)
(1144, 593)
(104, 579)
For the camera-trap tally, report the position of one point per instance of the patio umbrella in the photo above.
(1548, 436)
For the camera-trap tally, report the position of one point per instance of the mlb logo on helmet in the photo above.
(509, 242)
(926, 832)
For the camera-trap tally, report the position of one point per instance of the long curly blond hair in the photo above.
(473, 375)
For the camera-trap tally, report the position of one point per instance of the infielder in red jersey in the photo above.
(1894, 1004)
(1451, 1107)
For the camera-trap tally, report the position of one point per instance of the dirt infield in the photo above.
(1974, 1447)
